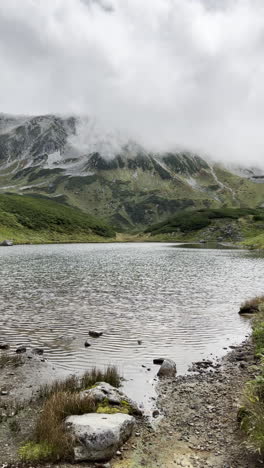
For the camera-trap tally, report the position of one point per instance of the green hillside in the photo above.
(226, 224)
(26, 219)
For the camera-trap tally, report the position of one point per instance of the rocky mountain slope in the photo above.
(75, 162)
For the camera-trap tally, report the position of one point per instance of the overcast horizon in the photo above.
(167, 73)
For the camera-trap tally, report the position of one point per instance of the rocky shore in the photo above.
(197, 428)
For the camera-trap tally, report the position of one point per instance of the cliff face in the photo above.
(75, 163)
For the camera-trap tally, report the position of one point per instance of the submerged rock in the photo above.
(104, 391)
(95, 334)
(250, 309)
(167, 368)
(158, 361)
(4, 345)
(38, 351)
(6, 243)
(21, 349)
(99, 436)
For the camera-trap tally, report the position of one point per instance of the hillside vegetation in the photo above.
(28, 219)
(234, 224)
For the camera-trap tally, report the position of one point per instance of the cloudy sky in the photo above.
(166, 72)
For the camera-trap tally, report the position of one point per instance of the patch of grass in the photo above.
(50, 428)
(87, 380)
(251, 414)
(37, 217)
(112, 409)
(34, 452)
(252, 305)
(12, 360)
(188, 221)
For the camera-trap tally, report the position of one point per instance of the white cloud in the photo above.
(166, 72)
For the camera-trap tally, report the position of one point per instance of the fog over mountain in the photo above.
(165, 73)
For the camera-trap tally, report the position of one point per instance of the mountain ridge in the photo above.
(73, 161)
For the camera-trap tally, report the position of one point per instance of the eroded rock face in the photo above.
(114, 396)
(167, 369)
(99, 436)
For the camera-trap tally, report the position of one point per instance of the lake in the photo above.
(181, 302)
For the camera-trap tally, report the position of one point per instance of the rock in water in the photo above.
(21, 349)
(38, 351)
(6, 243)
(167, 369)
(95, 334)
(4, 345)
(99, 436)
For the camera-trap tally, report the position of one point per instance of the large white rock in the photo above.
(99, 436)
(167, 368)
(114, 396)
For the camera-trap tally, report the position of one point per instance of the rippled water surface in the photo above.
(182, 303)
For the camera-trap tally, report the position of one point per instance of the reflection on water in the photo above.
(182, 303)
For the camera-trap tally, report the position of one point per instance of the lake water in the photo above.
(182, 303)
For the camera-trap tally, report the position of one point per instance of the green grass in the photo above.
(31, 219)
(256, 242)
(188, 221)
(251, 414)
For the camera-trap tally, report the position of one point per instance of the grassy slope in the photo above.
(228, 223)
(27, 219)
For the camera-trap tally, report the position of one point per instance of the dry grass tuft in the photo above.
(252, 305)
(50, 428)
(12, 360)
(87, 380)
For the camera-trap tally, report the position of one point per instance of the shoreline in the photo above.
(197, 428)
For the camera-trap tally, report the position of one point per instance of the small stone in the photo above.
(38, 351)
(155, 413)
(118, 453)
(4, 393)
(139, 342)
(95, 334)
(87, 344)
(158, 361)
(4, 346)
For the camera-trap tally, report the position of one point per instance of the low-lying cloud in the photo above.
(168, 73)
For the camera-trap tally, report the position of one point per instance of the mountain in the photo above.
(75, 162)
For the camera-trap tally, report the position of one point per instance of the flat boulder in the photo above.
(99, 436)
(167, 368)
(104, 391)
